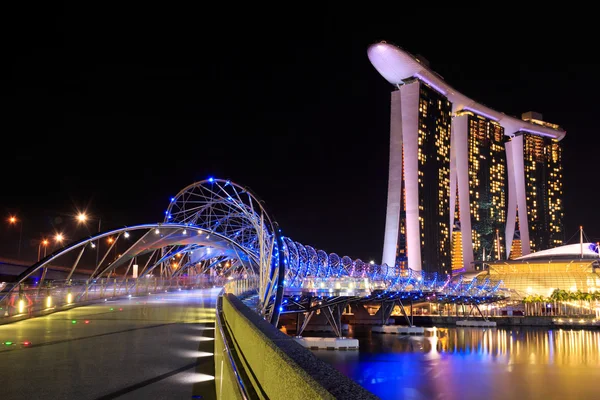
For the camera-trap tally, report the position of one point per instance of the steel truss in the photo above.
(220, 228)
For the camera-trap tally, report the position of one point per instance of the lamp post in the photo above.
(82, 218)
(14, 221)
(44, 243)
(59, 238)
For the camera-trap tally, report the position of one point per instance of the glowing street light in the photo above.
(59, 237)
(13, 220)
(110, 240)
(82, 217)
(44, 243)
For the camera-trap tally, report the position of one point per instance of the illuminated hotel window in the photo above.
(433, 144)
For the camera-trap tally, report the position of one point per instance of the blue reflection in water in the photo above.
(471, 363)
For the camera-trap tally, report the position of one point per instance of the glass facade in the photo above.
(434, 179)
(487, 185)
(543, 276)
(543, 189)
(554, 190)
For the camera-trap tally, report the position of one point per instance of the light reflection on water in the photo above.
(474, 363)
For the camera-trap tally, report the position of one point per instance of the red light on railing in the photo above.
(26, 343)
(86, 321)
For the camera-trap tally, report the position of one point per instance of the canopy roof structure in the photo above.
(398, 66)
(569, 251)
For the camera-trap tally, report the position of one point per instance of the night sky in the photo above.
(115, 109)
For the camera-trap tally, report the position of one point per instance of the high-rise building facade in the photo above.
(460, 171)
(487, 184)
(420, 195)
(433, 172)
(542, 166)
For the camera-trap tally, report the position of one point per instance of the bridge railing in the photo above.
(27, 301)
(241, 287)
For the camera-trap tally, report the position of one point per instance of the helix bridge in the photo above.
(216, 228)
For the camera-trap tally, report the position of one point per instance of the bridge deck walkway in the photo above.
(153, 347)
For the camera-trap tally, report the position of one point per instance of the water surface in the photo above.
(474, 363)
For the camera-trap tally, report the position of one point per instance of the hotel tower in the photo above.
(465, 181)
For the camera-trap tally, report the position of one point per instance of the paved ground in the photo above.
(155, 347)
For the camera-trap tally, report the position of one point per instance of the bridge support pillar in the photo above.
(476, 307)
(408, 320)
(387, 307)
(333, 313)
(307, 317)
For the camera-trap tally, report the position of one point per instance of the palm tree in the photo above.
(526, 302)
(578, 297)
(588, 297)
(559, 296)
(596, 297)
(564, 297)
(540, 304)
(554, 298)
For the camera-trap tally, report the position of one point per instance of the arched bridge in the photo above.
(218, 230)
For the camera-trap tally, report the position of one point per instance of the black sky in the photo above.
(115, 108)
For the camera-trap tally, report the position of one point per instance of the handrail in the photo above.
(240, 383)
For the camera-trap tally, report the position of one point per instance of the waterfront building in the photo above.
(462, 171)
(571, 267)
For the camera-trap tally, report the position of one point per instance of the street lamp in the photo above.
(45, 244)
(59, 238)
(82, 217)
(13, 220)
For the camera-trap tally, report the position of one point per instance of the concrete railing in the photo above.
(255, 360)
